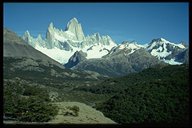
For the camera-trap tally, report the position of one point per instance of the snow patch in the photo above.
(59, 38)
(69, 33)
(181, 46)
(155, 52)
(97, 51)
(133, 46)
(57, 54)
(121, 46)
(165, 42)
(172, 62)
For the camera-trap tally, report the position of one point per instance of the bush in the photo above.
(34, 109)
(75, 109)
(27, 102)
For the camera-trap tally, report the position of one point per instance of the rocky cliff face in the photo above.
(77, 57)
(183, 56)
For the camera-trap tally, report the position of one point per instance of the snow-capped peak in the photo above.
(71, 24)
(61, 44)
(27, 33)
(39, 37)
(73, 20)
(161, 41)
(130, 45)
(163, 49)
(75, 27)
(51, 26)
(97, 35)
(126, 47)
(27, 36)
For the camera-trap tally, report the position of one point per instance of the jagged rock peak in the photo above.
(39, 36)
(98, 37)
(184, 43)
(75, 27)
(129, 42)
(97, 34)
(27, 33)
(51, 25)
(108, 36)
(27, 36)
(130, 45)
(125, 42)
(73, 22)
(160, 40)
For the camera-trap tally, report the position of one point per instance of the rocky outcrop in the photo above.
(77, 57)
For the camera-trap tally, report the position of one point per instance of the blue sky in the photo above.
(141, 22)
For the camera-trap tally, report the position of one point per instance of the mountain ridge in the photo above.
(14, 46)
(62, 44)
(21, 58)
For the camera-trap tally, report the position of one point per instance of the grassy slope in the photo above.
(86, 114)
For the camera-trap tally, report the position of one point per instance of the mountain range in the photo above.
(61, 45)
(21, 59)
(72, 49)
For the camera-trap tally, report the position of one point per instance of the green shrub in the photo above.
(34, 109)
(27, 102)
(75, 109)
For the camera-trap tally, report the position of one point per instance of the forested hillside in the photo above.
(156, 95)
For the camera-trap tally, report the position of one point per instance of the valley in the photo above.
(121, 99)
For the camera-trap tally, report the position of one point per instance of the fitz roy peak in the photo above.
(75, 27)
(60, 45)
